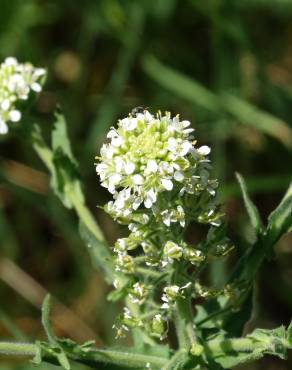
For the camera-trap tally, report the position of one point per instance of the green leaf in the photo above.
(55, 348)
(67, 186)
(100, 254)
(46, 307)
(280, 220)
(249, 205)
(62, 165)
(289, 334)
(250, 115)
(65, 176)
(180, 84)
(232, 352)
(60, 136)
(37, 360)
(41, 148)
(119, 293)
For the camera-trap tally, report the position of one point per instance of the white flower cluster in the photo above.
(16, 83)
(148, 155)
(155, 173)
(160, 182)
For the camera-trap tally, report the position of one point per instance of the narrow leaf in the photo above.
(46, 320)
(252, 211)
(100, 254)
(60, 136)
(57, 350)
(280, 220)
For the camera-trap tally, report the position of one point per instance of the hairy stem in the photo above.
(17, 349)
(92, 358)
(239, 345)
(177, 361)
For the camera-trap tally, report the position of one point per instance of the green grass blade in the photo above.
(243, 112)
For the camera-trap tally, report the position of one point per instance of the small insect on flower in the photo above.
(137, 110)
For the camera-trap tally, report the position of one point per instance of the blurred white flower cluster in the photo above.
(16, 83)
(160, 182)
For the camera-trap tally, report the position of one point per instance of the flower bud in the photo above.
(125, 263)
(173, 250)
(138, 293)
(196, 349)
(194, 255)
(158, 326)
(127, 319)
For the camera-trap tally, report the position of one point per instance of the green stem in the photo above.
(214, 314)
(92, 358)
(177, 361)
(230, 345)
(133, 360)
(148, 272)
(212, 348)
(184, 323)
(184, 318)
(17, 349)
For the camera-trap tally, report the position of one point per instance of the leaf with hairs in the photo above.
(232, 352)
(280, 220)
(55, 348)
(252, 211)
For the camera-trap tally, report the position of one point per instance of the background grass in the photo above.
(226, 65)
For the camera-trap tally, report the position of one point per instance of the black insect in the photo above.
(137, 110)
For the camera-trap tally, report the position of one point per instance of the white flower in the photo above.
(178, 176)
(16, 83)
(138, 179)
(3, 127)
(174, 215)
(152, 166)
(150, 198)
(129, 168)
(204, 150)
(167, 184)
(14, 115)
(166, 217)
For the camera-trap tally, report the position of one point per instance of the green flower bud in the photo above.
(158, 326)
(173, 250)
(197, 349)
(127, 319)
(193, 255)
(138, 293)
(125, 263)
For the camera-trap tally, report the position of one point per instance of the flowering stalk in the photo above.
(160, 181)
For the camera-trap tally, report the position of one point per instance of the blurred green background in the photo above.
(226, 65)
